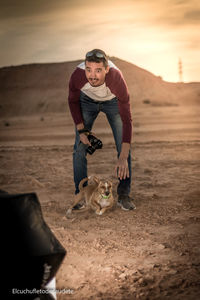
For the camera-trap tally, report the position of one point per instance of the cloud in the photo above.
(21, 8)
(136, 30)
(192, 16)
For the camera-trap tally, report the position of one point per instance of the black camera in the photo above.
(95, 144)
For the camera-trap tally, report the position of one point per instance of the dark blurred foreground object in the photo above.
(31, 253)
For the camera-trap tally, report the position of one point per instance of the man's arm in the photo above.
(122, 170)
(76, 82)
(119, 87)
(116, 83)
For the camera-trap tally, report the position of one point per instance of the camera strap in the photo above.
(84, 130)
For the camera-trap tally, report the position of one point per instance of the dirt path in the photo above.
(150, 253)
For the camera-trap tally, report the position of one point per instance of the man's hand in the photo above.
(83, 136)
(84, 139)
(121, 169)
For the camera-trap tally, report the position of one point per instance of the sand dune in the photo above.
(43, 88)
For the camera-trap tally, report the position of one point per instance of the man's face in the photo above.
(95, 73)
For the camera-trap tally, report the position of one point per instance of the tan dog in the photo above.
(97, 195)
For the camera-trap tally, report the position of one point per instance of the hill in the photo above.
(43, 88)
(148, 253)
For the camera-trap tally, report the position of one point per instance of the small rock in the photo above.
(6, 124)
(161, 246)
(122, 276)
(172, 272)
(156, 265)
(142, 282)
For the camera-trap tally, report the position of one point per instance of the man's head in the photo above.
(98, 56)
(96, 67)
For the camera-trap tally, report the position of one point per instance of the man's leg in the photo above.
(89, 113)
(114, 119)
(79, 162)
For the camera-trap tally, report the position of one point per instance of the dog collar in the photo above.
(105, 197)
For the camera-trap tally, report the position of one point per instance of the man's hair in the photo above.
(97, 55)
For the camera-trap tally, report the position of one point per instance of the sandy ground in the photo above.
(150, 253)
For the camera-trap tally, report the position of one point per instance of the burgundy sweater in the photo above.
(115, 82)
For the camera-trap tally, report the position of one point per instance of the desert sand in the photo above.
(152, 252)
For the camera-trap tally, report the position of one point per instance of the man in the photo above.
(98, 85)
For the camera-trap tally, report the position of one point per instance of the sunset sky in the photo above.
(152, 34)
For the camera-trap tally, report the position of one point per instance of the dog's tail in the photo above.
(81, 187)
(93, 178)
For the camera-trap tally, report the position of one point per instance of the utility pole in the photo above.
(180, 70)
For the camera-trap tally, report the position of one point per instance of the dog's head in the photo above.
(104, 187)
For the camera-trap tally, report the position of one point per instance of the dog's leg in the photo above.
(104, 209)
(96, 207)
(78, 198)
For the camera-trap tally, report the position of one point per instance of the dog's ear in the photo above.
(96, 179)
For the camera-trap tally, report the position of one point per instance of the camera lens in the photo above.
(90, 150)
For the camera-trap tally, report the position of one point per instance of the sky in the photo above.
(152, 34)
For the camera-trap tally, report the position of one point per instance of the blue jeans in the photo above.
(90, 110)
